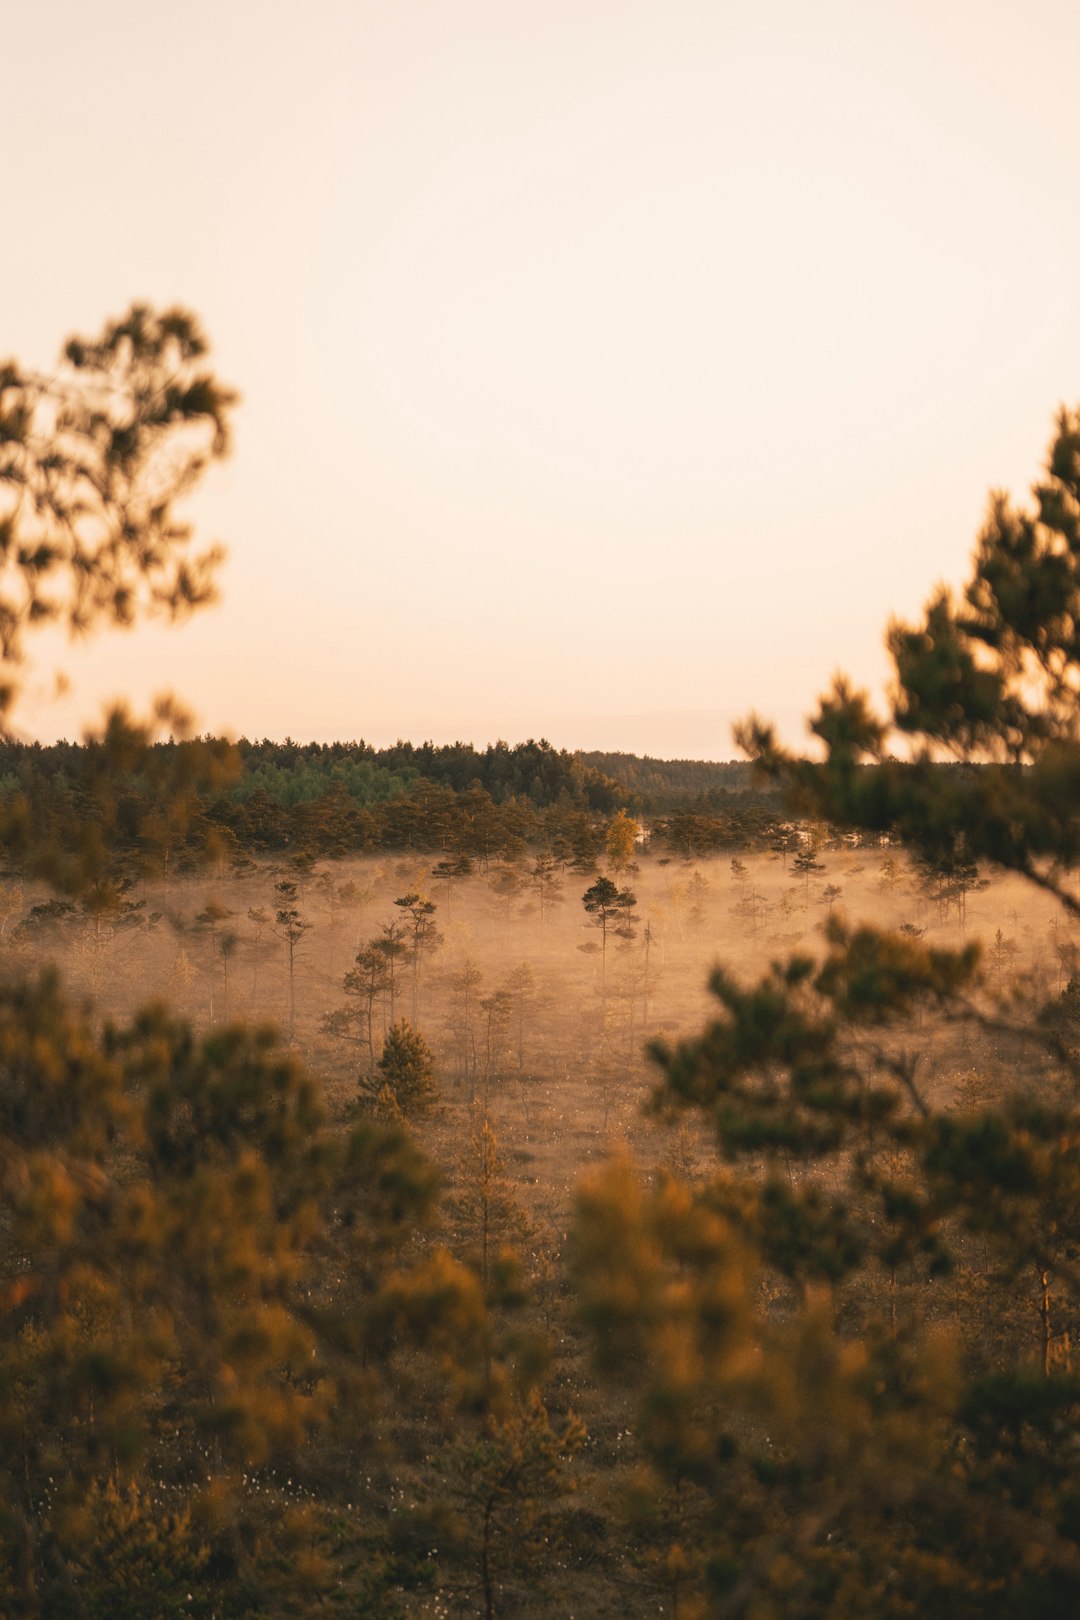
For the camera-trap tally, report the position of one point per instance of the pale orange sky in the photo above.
(609, 369)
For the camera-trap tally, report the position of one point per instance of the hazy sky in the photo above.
(608, 369)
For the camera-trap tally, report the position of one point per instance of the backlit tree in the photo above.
(795, 1325)
(93, 459)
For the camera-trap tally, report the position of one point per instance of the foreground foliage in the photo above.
(797, 1327)
(198, 1276)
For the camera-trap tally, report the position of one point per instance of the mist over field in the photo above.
(536, 1012)
(515, 1001)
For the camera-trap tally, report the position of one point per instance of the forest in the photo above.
(338, 799)
(447, 1182)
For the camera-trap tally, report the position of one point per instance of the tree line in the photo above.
(172, 801)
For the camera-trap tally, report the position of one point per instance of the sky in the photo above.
(608, 370)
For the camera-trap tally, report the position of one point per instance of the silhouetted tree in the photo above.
(544, 879)
(290, 927)
(392, 947)
(806, 865)
(452, 869)
(611, 911)
(92, 460)
(464, 984)
(423, 937)
(209, 919)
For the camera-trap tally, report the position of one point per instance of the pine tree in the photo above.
(423, 937)
(505, 1484)
(290, 926)
(806, 865)
(778, 1321)
(407, 1070)
(611, 910)
(92, 460)
(546, 884)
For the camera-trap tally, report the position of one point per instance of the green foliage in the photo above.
(660, 786)
(305, 780)
(407, 1069)
(330, 798)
